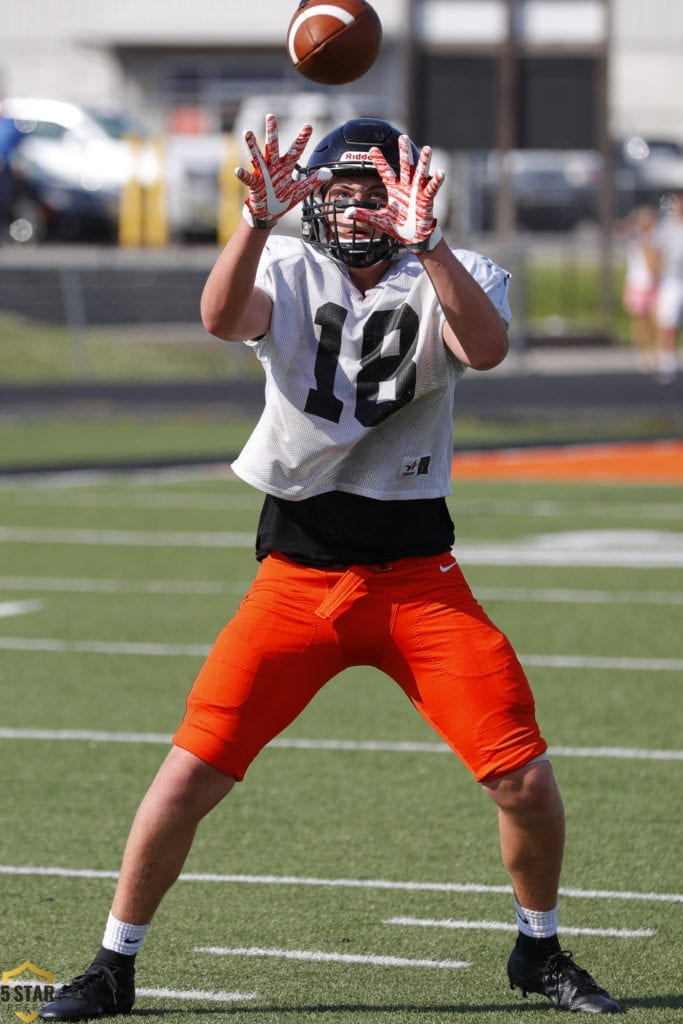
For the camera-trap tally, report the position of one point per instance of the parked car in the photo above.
(74, 164)
(553, 189)
(646, 169)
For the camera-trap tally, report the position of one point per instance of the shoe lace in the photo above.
(561, 965)
(78, 987)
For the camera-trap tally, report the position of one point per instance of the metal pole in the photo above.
(606, 195)
(507, 127)
(411, 48)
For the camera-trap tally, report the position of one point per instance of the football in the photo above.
(334, 43)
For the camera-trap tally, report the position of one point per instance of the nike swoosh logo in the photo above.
(273, 205)
(447, 568)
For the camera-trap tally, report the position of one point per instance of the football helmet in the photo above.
(345, 151)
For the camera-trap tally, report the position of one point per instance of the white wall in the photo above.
(165, 21)
(65, 47)
(647, 68)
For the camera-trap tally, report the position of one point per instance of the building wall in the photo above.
(126, 50)
(163, 21)
(647, 68)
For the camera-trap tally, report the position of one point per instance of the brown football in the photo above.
(333, 43)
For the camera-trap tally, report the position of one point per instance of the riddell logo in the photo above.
(352, 157)
(29, 986)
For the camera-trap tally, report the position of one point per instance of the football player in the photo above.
(364, 328)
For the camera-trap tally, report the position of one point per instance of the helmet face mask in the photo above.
(324, 223)
(345, 152)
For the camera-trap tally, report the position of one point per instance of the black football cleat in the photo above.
(565, 984)
(100, 992)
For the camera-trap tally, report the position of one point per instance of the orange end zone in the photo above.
(642, 462)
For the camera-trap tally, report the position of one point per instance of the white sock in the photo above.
(123, 938)
(537, 924)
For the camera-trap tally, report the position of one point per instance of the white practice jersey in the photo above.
(359, 388)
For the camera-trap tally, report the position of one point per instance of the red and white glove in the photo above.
(409, 213)
(274, 186)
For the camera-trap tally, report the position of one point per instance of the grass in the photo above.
(34, 352)
(121, 575)
(561, 296)
(566, 293)
(143, 439)
(56, 440)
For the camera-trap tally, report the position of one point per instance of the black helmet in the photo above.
(345, 151)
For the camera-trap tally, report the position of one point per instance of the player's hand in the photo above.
(409, 213)
(274, 184)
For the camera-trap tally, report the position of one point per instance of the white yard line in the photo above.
(192, 502)
(346, 883)
(338, 958)
(628, 548)
(10, 609)
(197, 995)
(83, 585)
(133, 479)
(136, 496)
(285, 743)
(549, 508)
(621, 664)
(68, 584)
(152, 649)
(126, 538)
(504, 926)
(557, 595)
(189, 995)
(149, 649)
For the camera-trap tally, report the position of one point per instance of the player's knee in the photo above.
(531, 787)
(184, 782)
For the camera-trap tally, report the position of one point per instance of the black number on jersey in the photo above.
(376, 368)
(321, 401)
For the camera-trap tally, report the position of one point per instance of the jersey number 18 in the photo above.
(375, 368)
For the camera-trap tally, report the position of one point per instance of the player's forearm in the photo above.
(474, 330)
(231, 308)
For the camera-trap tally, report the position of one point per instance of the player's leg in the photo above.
(669, 318)
(461, 673)
(183, 792)
(531, 825)
(264, 668)
(531, 829)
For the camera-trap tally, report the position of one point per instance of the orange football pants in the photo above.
(414, 619)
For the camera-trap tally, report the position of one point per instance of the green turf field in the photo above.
(354, 876)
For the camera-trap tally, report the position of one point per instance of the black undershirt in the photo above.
(337, 529)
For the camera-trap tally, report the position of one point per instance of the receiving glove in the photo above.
(274, 185)
(409, 213)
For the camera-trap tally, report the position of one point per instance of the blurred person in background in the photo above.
(640, 284)
(669, 250)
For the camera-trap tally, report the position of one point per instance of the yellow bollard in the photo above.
(130, 200)
(154, 213)
(230, 190)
